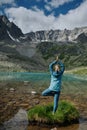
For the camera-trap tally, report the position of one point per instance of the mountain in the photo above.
(70, 45)
(58, 35)
(35, 50)
(8, 30)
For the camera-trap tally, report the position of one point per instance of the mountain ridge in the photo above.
(13, 32)
(57, 35)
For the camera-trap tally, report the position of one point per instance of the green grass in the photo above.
(81, 72)
(73, 55)
(65, 115)
(78, 71)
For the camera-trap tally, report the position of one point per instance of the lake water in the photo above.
(73, 86)
(26, 76)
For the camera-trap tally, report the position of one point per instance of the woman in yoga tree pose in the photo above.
(56, 69)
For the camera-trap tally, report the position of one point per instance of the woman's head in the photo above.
(57, 67)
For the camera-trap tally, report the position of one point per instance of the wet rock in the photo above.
(54, 128)
(24, 105)
(37, 102)
(2, 127)
(12, 89)
(33, 92)
(18, 122)
(26, 83)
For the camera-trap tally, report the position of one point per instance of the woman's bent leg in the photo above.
(56, 99)
(47, 92)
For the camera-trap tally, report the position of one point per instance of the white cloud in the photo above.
(47, 7)
(30, 20)
(7, 2)
(74, 18)
(57, 3)
(34, 8)
(33, 20)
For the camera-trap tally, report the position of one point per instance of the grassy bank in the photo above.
(65, 115)
(78, 70)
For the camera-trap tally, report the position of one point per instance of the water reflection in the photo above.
(72, 127)
(20, 122)
(83, 124)
(29, 76)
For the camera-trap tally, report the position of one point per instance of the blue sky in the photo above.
(34, 15)
(43, 5)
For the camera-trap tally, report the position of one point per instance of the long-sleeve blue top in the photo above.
(56, 76)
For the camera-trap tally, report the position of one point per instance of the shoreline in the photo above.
(21, 97)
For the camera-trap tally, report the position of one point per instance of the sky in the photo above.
(35, 15)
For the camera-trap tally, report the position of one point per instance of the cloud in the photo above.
(47, 7)
(33, 20)
(56, 3)
(34, 8)
(30, 20)
(7, 2)
(74, 18)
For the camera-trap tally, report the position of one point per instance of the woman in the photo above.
(56, 69)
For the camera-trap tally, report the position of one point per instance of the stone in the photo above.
(33, 92)
(54, 128)
(26, 83)
(24, 105)
(12, 89)
(18, 122)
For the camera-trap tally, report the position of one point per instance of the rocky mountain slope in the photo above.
(8, 30)
(58, 35)
(35, 50)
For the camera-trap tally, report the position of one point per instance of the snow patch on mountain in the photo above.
(12, 38)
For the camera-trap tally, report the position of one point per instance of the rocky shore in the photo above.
(18, 95)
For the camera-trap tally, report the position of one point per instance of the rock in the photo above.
(33, 92)
(24, 105)
(18, 122)
(54, 128)
(26, 83)
(9, 29)
(2, 127)
(12, 89)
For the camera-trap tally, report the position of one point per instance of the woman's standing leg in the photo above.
(56, 99)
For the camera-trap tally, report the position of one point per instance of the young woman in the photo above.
(56, 69)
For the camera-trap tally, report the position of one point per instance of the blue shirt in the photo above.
(56, 76)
